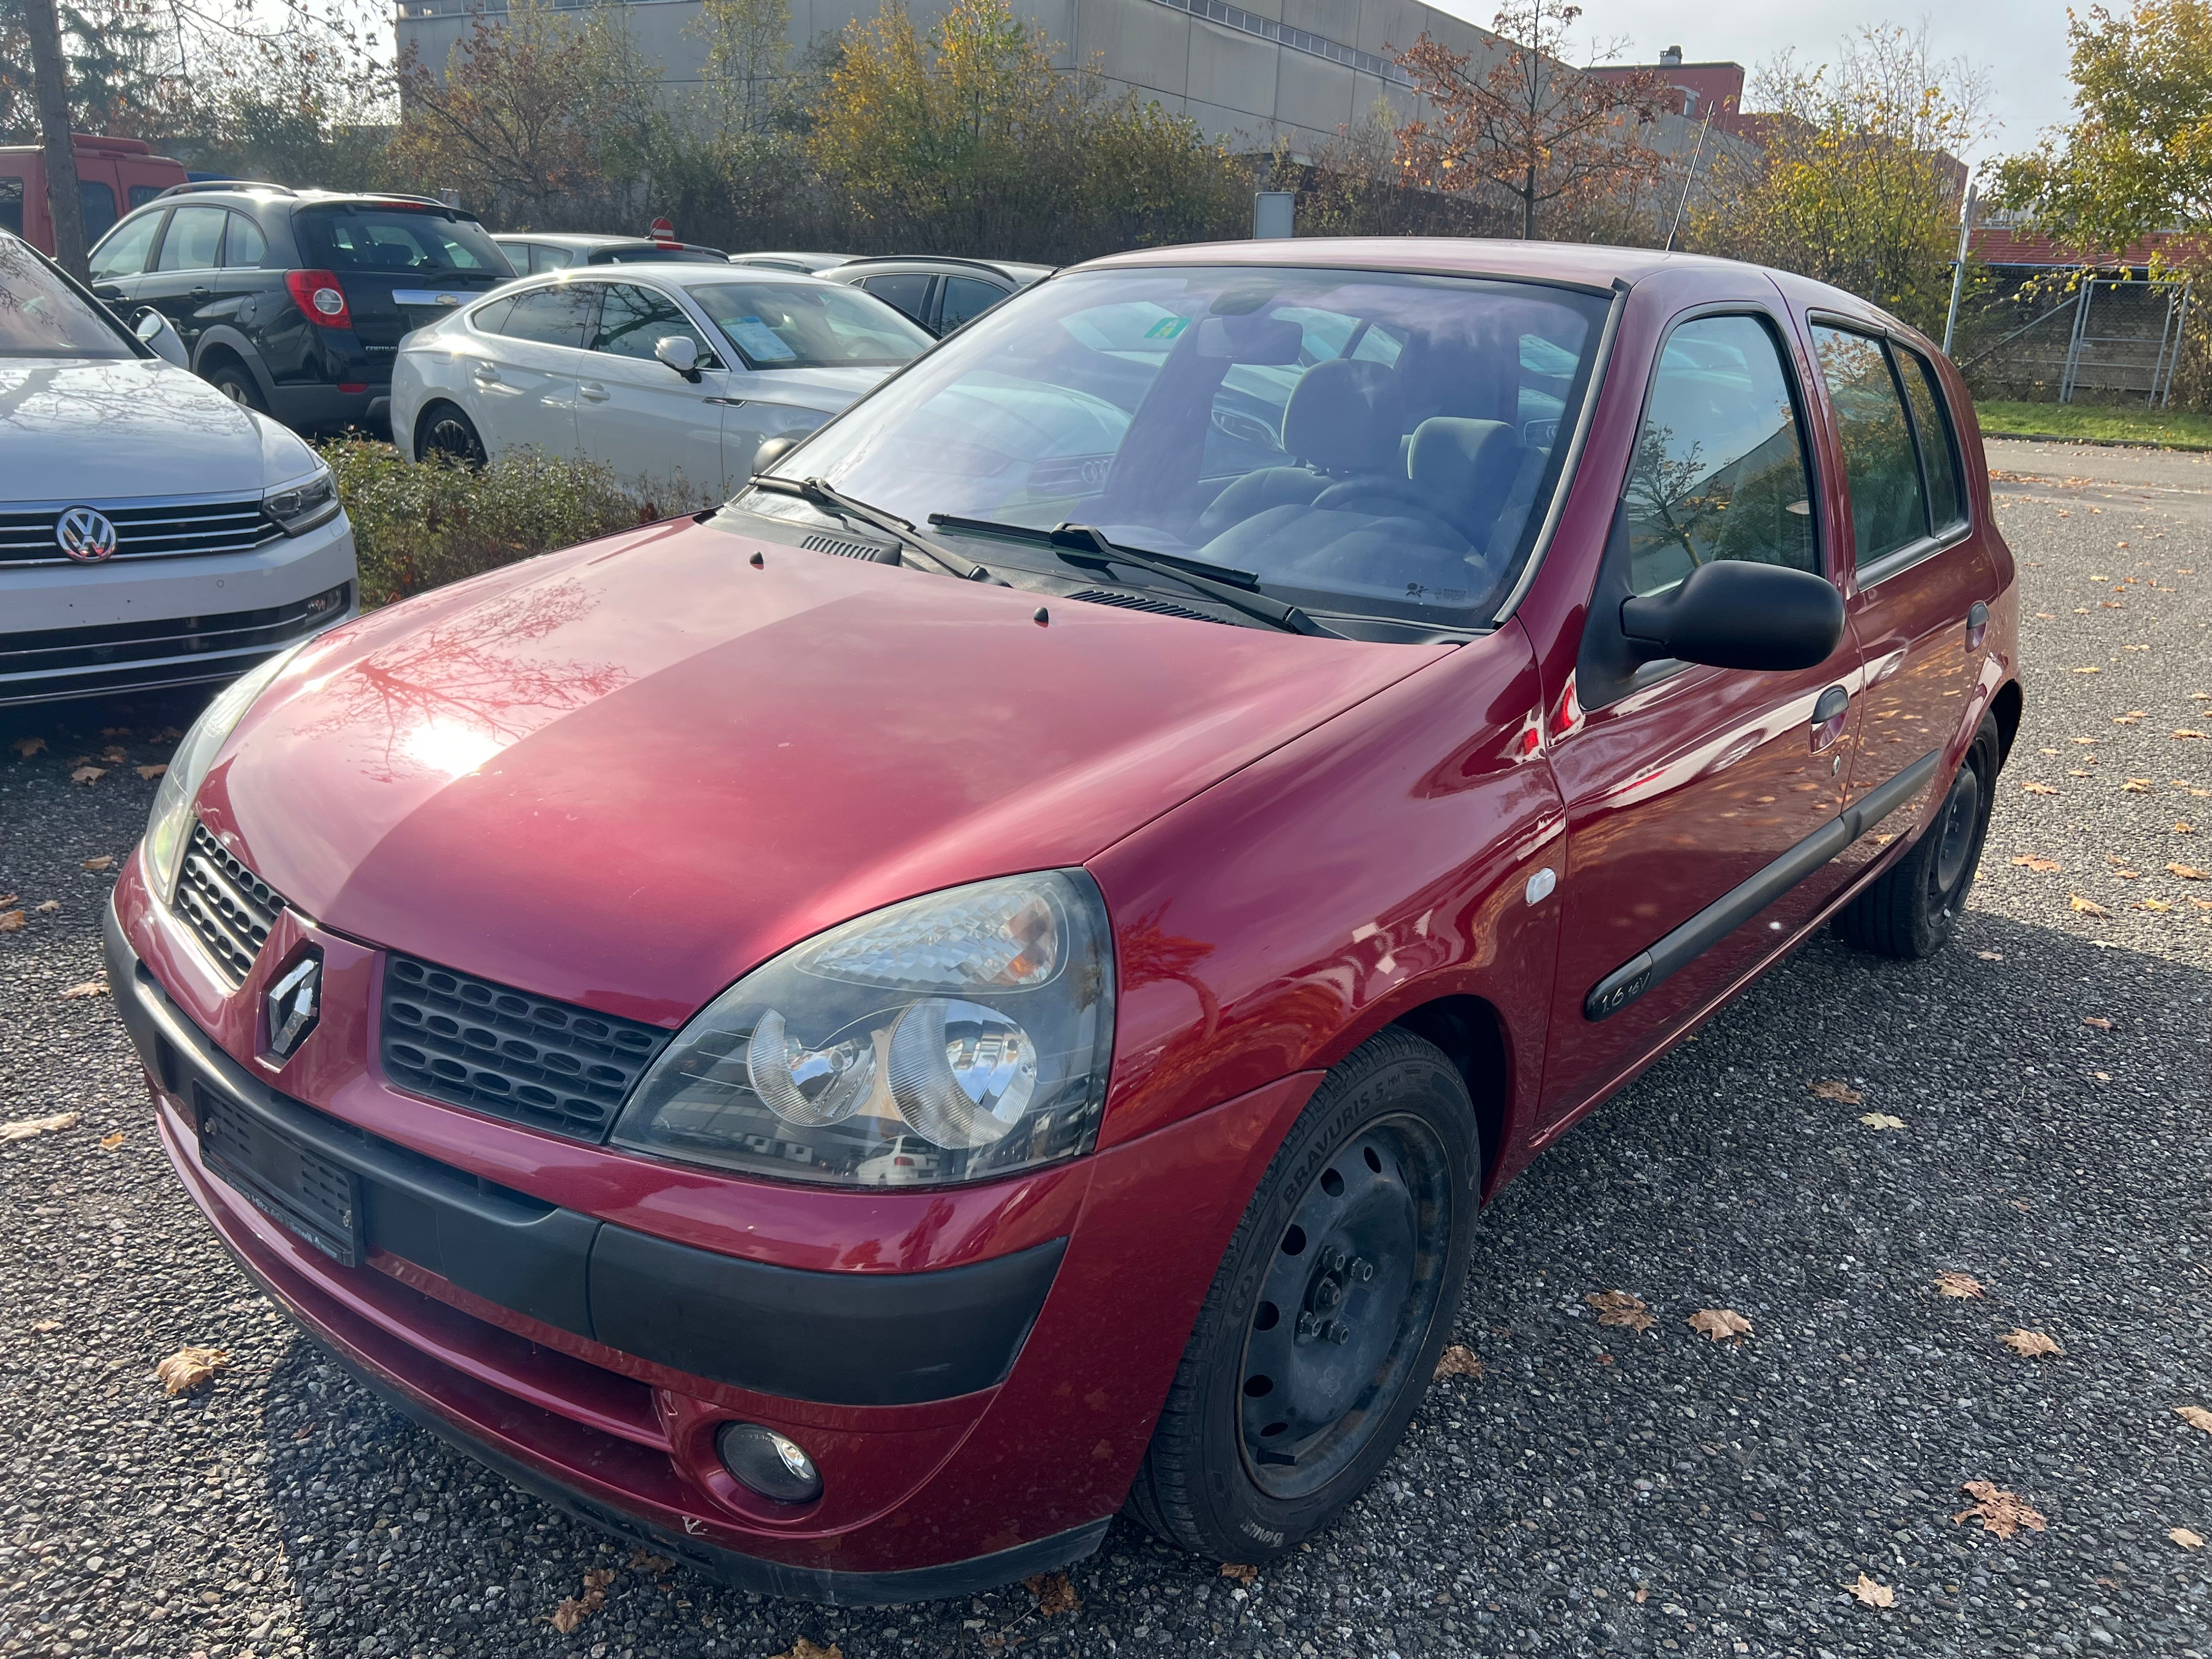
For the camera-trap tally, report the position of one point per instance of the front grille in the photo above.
(143, 530)
(225, 904)
(56, 662)
(1140, 602)
(469, 1043)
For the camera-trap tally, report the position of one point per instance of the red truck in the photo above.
(113, 175)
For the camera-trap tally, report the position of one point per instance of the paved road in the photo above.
(1596, 1489)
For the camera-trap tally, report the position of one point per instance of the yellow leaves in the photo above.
(1457, 1360)
(2001, 1512)
(1055, 1594)
(24, 1127)
(2180, 828)
(2092, 669)
(109, 1143)
(1842, 1093)
(1957, 1285)
(2031, 1345)
(190, 1368)
(2196, 1416)
(1619, 1308)
(2042, 866)
(1720, 1324)
(1871, 1593)
(575, 1609)
(2036, 787)
(2086, 907)
(1880, 1121)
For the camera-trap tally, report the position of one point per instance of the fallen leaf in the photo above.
(1720, 1324)
(1880, 1121)
(2033, 788)
(1054, 1593)
(2154, 904)
(2087, 907)
(644, 1560)
(2040, 866)
(45, 1327)
(577, 1608)
(189, 1368)
(1842, 1093)
(1957, 1285)
(27, 747)
(2188, 873)
(91, 987)
(24, 1127)
(87, 774)
(109, 1143)
(2135, 787)
(12, 921)
(114, 756)
(2001, 1512)
(1458, 1360)
(2196, 1416)
(96, 865)
(48, 907)
(1642, 1593)
(2181, 828)
(2184, 732)
(2101, 1024)
(1872, 1594)
(2186, 1539)
(1238, 1570)
(1619, 1308)
(803, 1649)
(2089, 671)
(2030, 1345)
(1991, 956)
(153, 771)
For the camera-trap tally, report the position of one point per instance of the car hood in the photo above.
(623, 774)
(826, 389)
(79, 429)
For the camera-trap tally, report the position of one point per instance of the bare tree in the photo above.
(44, 25)
(1530, 124)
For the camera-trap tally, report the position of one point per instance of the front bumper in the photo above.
(991, 1437)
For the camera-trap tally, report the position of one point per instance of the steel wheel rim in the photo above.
(1954, 849)
(1344, 1307)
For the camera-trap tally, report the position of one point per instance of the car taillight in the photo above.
(901, 1163)
(318, 297)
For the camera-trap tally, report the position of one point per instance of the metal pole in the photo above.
(1690, 178)
(1958, 267)
(2158, 363)
(2074, 342)
(2180, 323)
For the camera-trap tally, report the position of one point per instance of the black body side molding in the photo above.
(1675, 951)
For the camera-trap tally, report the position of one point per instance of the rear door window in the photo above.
(1720, 469)
(1889, 509)
(553, 316)
(399, 240)
(123, 254)
(907, 291)
(246, 245)
(194, 239)
(965, 297)
(1939, 443)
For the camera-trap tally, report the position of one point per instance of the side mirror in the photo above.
(1734, 614)
(681, 353)
(155, 330)
(773, 450)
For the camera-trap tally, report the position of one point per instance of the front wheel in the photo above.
(235, 381)
(449, 434)
(1323, 1326)
(1911, 910)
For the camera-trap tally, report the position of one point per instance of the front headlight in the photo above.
(305, 502)
(170, 825)
(961, 1035)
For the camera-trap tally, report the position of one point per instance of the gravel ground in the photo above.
(1596, 1489)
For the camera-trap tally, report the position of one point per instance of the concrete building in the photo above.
(1300, 68)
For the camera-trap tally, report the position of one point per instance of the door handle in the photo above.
(592, 392)
(1829, 714)
(1978, 624)
(201, 290)
(484, 372)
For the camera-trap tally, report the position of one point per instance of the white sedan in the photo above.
(671, 375)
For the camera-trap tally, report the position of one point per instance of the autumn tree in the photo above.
(1524, 122)
(745, 79)
(1855, 181)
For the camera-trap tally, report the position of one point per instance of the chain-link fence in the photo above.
(2099, 339)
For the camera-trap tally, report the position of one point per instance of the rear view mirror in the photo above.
(680, 352)
(155, 330)
(1733, 614)
(1263, 340)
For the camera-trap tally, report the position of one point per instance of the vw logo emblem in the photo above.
(291, 1005)
(84, 535)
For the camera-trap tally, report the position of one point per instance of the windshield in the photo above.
(399, 240)
(802, 325)
(1362, 441)
(42, 316)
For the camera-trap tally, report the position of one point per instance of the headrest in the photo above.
(1465, 465)
(1346, 415)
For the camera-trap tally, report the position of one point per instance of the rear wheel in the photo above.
(1323, 1326)
(448, 433)
(235, 381)
(1910, 911)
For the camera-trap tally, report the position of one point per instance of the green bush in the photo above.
(417, 526)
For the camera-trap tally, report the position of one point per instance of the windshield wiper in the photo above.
(1085, 545)
(816, 493)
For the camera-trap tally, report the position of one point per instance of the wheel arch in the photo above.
(2006, 709)
(418, 428)
(1471, 1034)
(219, 345)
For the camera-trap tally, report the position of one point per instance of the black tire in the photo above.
(236, 382)
(445, 431)
(1910, 912)
(1352, 1313)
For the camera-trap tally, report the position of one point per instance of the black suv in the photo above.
(293, 301)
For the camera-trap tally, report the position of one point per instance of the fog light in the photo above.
(765, 1462)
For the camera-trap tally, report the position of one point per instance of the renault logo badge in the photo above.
(86, 536)
(291, 1005)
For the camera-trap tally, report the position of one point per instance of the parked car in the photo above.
(939, 294)
(152, 532)
(294, 302)
(113, 176)
(533, 252)
(678, 369)
(806, 264)
(1235, 857)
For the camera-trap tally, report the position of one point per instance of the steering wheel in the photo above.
(1397, 498)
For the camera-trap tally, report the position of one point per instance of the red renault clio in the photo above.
(983, 984)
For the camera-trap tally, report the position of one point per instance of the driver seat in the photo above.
(1344, 420)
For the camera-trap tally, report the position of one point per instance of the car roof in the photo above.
(946, 264)
(815, 260)
(263, 194)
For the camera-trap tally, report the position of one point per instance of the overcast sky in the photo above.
(2021, 43)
